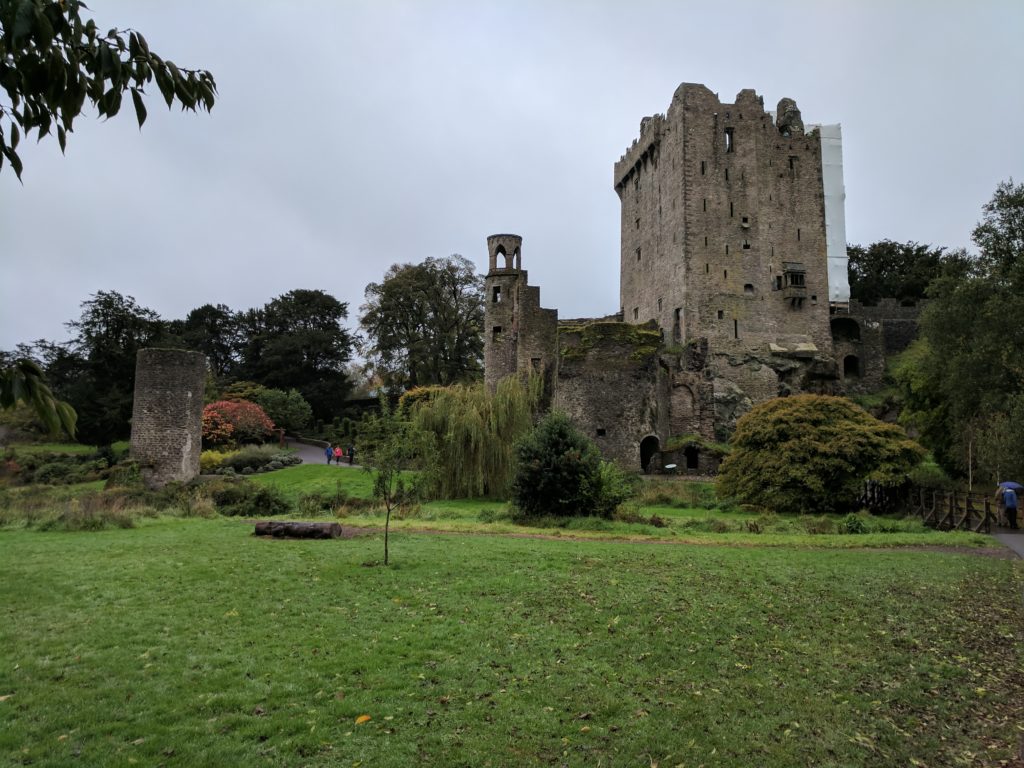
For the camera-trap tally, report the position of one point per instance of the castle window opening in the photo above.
(535, 364)
(496, 333)
(636, 313)
(745, 220)
(707, 269)
(798, 233)
(730, 209)
(638, 223)
(792, 163)
(705, 241)
(676, 328)
(778, 282)
(721, 314)
(638, 254)
(735, 329)
(648, 447)
(705, 203)
(496, 295)
(601, 432)
(726, 174)
(726, 249)
(725, 274)
(814, 299)
(748, 289)
(659, 305)
(845, 329)
(703, 167)
(746, 245)
(728, 140)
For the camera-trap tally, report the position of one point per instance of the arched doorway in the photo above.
(648, 447)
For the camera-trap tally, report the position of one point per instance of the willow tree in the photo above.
(475, 432)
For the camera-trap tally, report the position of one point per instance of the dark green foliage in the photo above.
(245, 499)
(95, 371)
(256, 457)
(424, 322)
(560, 473)
(215, 331)
(887, 269)
(961, 382)
(51, 61)
(21, 381)
(811, 454)
(59, 468)
(298, 341)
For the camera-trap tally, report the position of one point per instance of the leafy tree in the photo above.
(215, 331)
(474, 433)
(51, 61)
(560, 473)
(889, 269)
(811, 454)
(390, 445)
(297, 340)
(226, 422)
(966, 367)
(95, 371)
(288, 410)
(424, 323)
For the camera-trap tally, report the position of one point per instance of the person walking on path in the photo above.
(337, 455)
(351, 453)
(1010, 504)
(329, 453)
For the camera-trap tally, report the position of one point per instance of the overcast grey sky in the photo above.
(354, 134)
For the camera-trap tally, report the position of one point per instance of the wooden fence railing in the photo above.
(947, 510)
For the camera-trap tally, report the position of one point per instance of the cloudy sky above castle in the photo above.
(354, 134)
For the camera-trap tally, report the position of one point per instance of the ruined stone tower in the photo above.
(519, 335)
(167, 414)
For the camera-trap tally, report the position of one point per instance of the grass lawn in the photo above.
(687, 524)
(190, 642)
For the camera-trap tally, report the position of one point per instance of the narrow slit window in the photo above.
(725, 274)
(638, 223)
(726, 249)
(798, 233)
(636, 313)
(735, 329)
(730, 210)
(705, 203)
(638, 254)
(707, 269)
(728, 140)
(705, 241)
(721, 315)
(496, 333)
(703, 167)
(726, 174)
(659, 305)
(496, 294)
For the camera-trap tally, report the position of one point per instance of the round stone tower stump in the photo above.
(167, 415)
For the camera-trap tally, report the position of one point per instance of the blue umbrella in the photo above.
(1011, 485)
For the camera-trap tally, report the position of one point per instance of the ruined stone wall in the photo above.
(167, 414)
(611, 384)
(866, 336)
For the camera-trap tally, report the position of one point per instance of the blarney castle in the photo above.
(733, 287)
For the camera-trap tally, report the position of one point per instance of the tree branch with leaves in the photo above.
(52, 60)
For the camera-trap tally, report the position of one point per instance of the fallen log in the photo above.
(290, 529)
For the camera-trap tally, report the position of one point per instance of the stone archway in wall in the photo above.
(851, 367)
(692, 455)
(648, 447)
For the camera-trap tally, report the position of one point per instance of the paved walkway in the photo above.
(1012, 539)
(311, 454)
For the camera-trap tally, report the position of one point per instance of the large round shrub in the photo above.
(812, 454)
(226, 422)
(560, 473)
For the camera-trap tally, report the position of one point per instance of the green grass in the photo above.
(190, 642)
(120, 448)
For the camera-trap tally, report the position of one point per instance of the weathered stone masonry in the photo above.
(167, 415)
(724, 287)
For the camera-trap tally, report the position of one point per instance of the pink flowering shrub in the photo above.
(235, 421)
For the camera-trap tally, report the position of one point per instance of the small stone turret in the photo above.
(167, 415)
(519, 335)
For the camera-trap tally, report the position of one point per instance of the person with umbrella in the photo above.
(1006, 494)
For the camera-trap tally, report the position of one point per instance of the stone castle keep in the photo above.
(733, 287)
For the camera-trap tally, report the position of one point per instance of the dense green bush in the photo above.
(256, 457)
(560, 473)
(244, 499)
(31, 467)
(812, 454)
